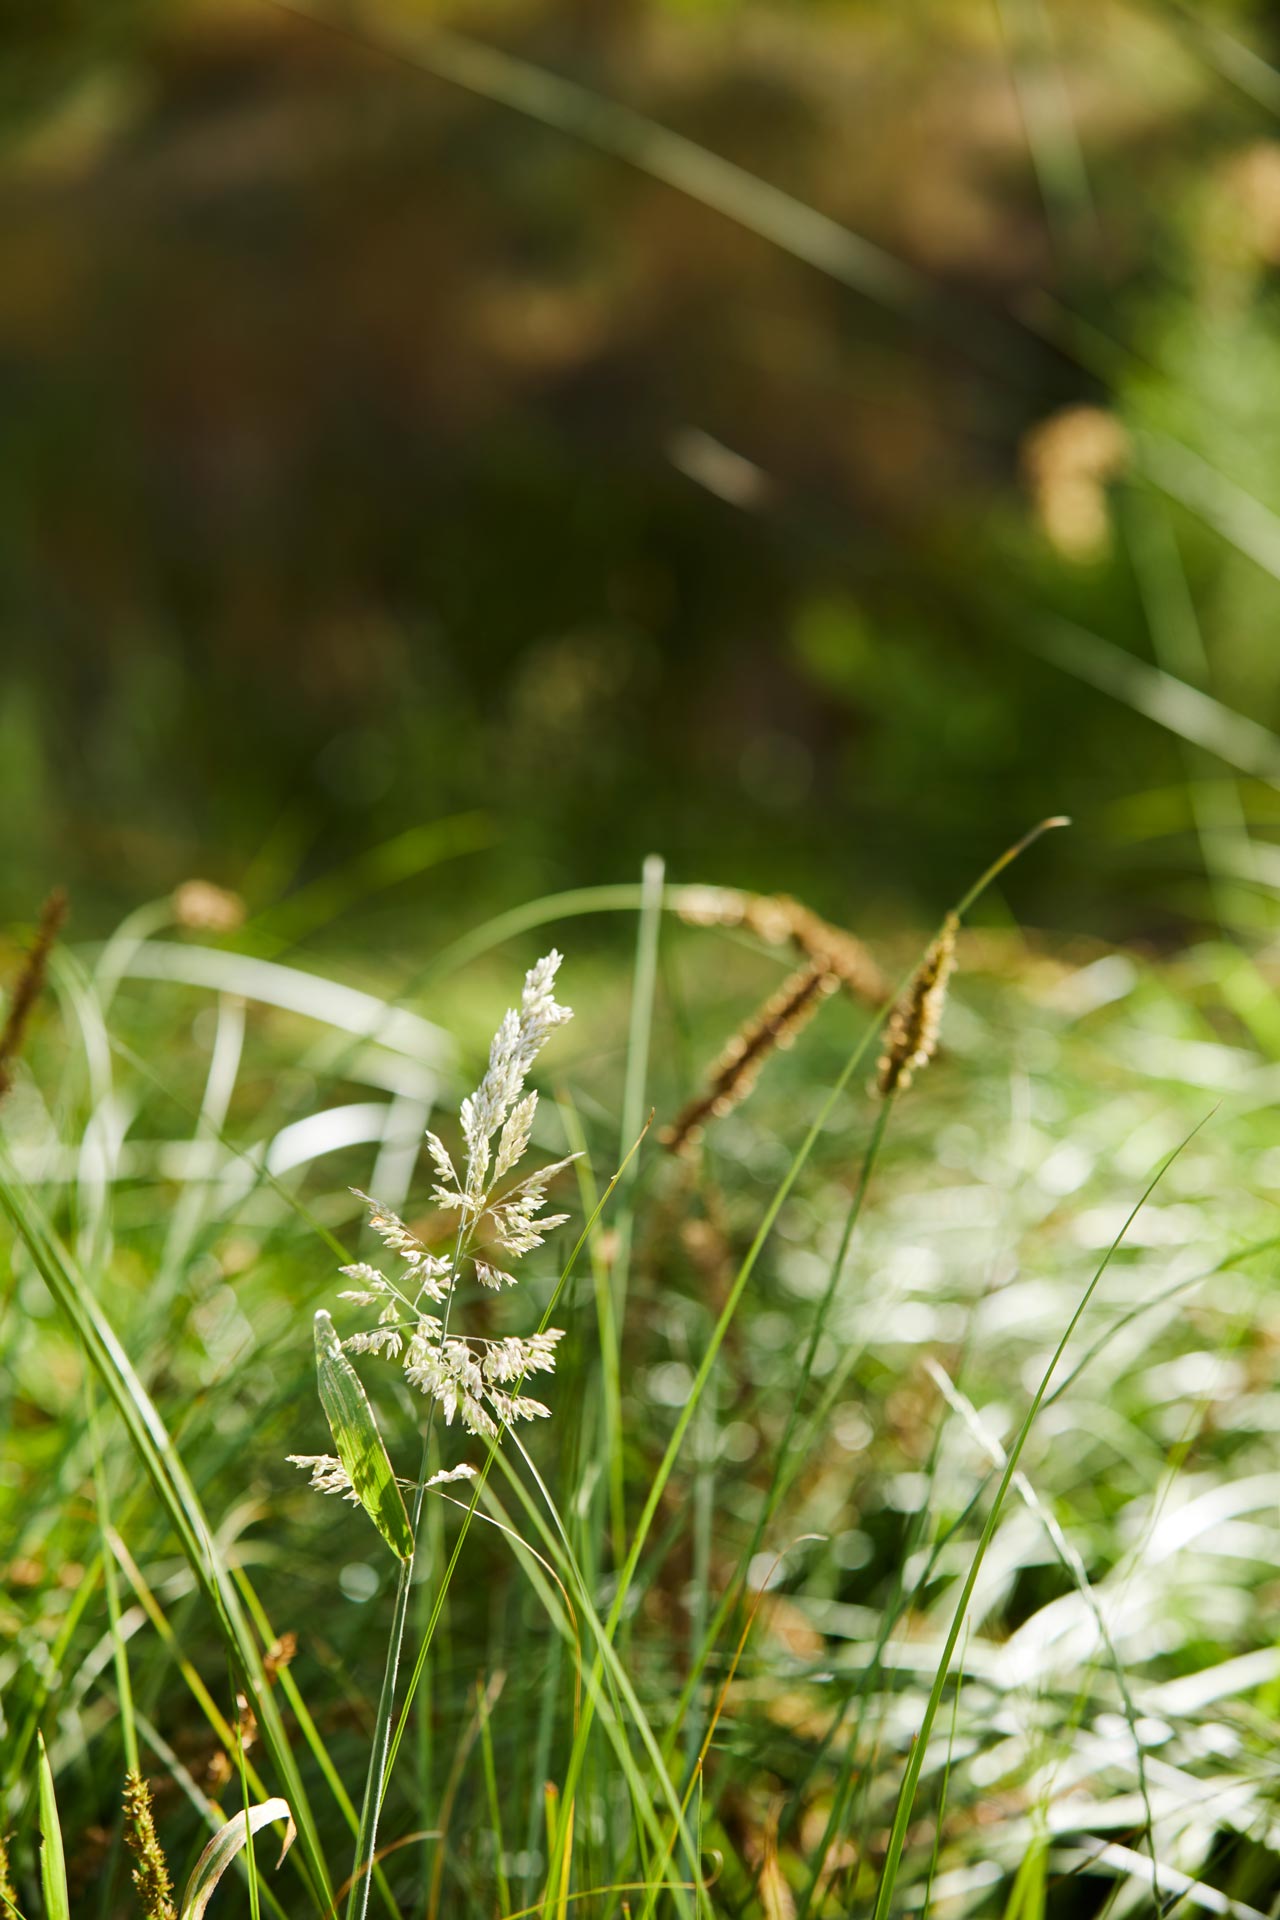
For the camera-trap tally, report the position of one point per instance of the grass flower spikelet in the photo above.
(473, 1380)
(735, 1073)
(911, 1036)
(151, 1870)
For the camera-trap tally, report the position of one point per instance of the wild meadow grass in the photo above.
(902, 1535)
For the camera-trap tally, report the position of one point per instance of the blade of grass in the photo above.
(53, 1866)
(491, 1791)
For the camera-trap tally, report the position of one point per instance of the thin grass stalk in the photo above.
(935, 1855)
(890, 1615)
(601, 1410)
(433, 1540)
(621, 1693)
(381, 1758)
(707, 178)
(495, 1804)
(119, 1652)
(640, 1028)
(541, 1761)
(1073, 1565)
(311, 1733)
(250, 1856)
(703, 1374)
(780, 1480)
(482, 1476)
(851, 1778)
(911, 1777)
(777, 1487)
(379, 1765)
(462, 1754)
(696, 1771)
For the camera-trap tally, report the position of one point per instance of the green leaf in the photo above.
(223, 1848)
(53, 1866)
(359, 1444)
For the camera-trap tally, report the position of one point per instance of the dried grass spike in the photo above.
(151, 1871)
(842, 952)
(911, 1037)
(735, 1073)
(29, 984)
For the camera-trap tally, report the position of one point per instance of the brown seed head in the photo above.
(735, 1073)
(911, 1037)
(151, 1870)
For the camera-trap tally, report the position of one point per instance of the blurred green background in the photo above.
(393, 432)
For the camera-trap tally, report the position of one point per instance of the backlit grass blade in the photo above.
(920, 1741)
(224, 1847)
(53, 1866)
(359, 1444)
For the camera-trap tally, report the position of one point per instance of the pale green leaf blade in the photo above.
(223, 1848)
(53, 1866)
(359, 1444)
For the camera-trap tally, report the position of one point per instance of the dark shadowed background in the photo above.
(394, 432)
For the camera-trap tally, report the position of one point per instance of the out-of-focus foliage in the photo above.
(375, 450)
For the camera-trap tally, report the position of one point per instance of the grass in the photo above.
(904, 1535)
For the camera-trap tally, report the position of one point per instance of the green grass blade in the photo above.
(224, 1847)
(359, 1443)
(53, 1866)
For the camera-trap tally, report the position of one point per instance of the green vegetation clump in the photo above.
(903, 1531)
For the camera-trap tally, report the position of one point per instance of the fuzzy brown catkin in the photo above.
(735, 1072)
(911, 1036)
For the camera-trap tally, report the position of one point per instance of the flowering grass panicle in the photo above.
(471, 1378)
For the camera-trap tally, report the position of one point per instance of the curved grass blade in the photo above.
(360, 1446)
(224, 1847)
